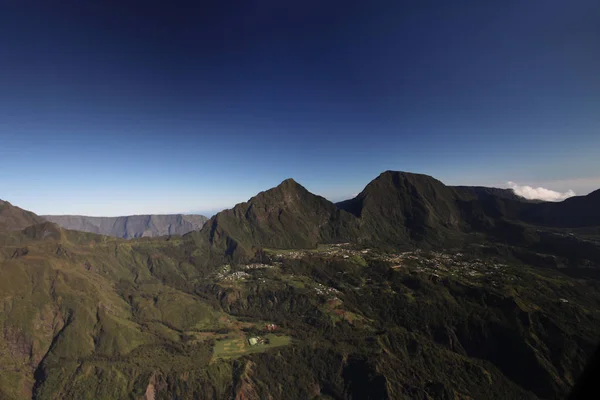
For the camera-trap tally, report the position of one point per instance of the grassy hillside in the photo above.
(86, 316)
(69, 296)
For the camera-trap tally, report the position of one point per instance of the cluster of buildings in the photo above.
(226, 275)
(271, 327)
(257, 340)
(323, 290)
(437, 264)
(236, 276)
(338, 249)
(256, 266)
(292, 254)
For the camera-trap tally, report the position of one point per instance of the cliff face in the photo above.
(133, 226)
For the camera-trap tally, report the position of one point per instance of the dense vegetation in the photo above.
(486, 306)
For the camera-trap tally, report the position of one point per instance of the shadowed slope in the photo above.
(574, 212)
(401, 207)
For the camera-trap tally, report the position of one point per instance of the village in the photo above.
(225, 273)
(435, 264)
(457, 265)
(338, 249)
(323, 290)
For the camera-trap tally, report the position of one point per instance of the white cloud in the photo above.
(540, 193)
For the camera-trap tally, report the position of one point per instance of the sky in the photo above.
(117, 108)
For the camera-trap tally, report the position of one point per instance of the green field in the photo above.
(237, 347)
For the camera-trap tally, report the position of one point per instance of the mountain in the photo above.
(285, 217)
(15, 218)
(283, 296)
(401, 207)
(404, 206)
(396, 209)
(132, 226)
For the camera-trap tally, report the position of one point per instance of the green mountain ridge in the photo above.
(413, 289)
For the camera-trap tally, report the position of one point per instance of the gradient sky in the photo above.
(113, 108)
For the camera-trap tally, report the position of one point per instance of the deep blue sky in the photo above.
(116, 107)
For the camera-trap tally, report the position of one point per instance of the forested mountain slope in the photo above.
(482, 305)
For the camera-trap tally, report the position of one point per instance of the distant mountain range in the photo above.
(133, 226)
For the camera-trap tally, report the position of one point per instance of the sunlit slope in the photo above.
(67, 295)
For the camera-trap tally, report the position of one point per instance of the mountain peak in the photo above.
(406, 173)
(403, 174)
(287, 216)
(393, 180)
(287, 188)
(290, 183)
(413, 207)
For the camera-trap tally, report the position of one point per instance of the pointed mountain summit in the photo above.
(13, 218)
(285, 217)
